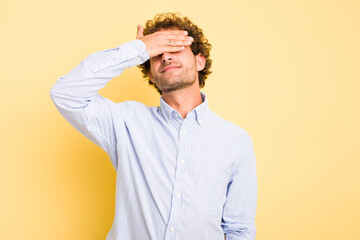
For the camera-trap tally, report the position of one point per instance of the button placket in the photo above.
(179, 183)
(172, 229)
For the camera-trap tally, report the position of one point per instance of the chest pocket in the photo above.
(211, 193)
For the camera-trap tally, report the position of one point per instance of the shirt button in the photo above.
(135, 51)
(185, 131)
(182, 161)
(176, 114)
(177, 194)
(169, 120)
(138, 58)
(171, 229)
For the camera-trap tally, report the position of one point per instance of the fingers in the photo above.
(140, 32)
(185, 42)
(174, 32)
(174, 43)
(173, 49)
(164, 41)
(173, 37)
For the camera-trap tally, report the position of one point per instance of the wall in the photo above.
(286, 71)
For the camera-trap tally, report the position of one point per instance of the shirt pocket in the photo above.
(211, 193)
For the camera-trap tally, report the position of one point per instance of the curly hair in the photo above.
(199, 45)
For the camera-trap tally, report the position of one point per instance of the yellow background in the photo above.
(286, 71)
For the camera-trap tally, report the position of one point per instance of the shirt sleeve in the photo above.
(238, 220)
(76, 97)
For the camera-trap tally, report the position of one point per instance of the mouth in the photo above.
(169, 68)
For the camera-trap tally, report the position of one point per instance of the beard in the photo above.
(177, 79)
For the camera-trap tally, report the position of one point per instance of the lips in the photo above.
(169, 68)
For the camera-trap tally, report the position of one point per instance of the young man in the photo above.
(182, 172)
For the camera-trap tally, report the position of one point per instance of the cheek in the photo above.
(153, 66)
(151, 75)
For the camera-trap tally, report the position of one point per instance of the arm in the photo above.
(76, 98)
(75, 94)
(238, 220)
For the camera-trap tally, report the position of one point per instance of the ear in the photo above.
(200, 62)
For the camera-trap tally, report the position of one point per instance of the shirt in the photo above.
(183, 179)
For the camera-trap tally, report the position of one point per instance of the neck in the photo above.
(183, 100)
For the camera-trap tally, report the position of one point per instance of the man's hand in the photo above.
(164, 41)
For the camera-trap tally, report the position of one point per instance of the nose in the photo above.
(166, 57)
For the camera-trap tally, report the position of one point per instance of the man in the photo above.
(182, 172)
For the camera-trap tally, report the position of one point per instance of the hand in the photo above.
(164, 41)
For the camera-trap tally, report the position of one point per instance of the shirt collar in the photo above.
(200, 111)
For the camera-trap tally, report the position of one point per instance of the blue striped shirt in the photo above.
(183, 179)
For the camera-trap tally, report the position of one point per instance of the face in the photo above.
(172, 71)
